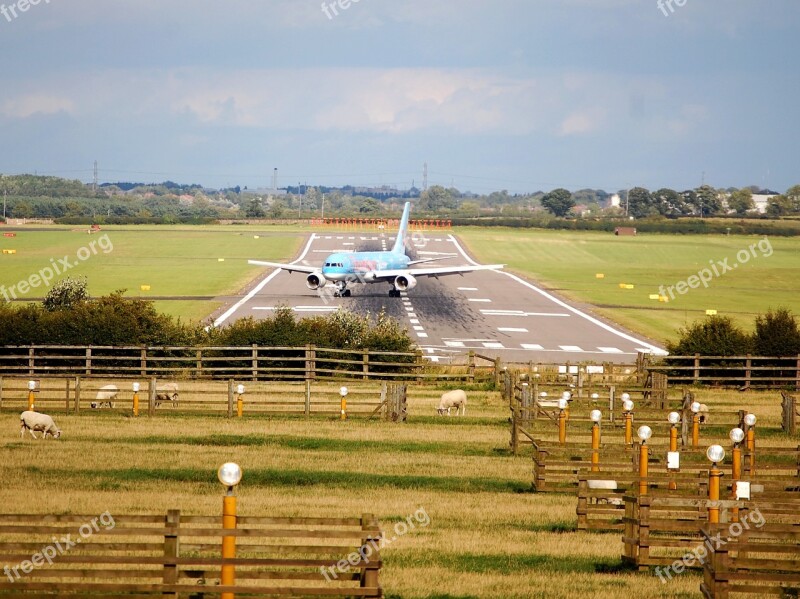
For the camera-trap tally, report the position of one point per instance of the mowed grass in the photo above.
(489, 537)
(174, 261)
(568, 262)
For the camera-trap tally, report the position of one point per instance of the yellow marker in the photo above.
(711, 312)
(663, 299)
(9, 251)
(256, 237)
(623, 285)
(220, 259)
(145, 287)
(600, 276)
(628, 286)
(655, 296)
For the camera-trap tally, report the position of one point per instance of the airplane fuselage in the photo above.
(356, 266)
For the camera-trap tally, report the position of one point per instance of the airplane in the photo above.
(390, 267)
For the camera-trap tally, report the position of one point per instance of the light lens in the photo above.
(566, 395)
(343, 391)
(240, 389)
(644, 433)
(595, 396)
(31, 385)
(715, 453)
(543, 394)
(626, 396)
(562, 404)
(737, 435)
(627, 405)
(596, 415)
(750, 420)
(229, 474)
(136, 387)
(695, 407)
(674, 418)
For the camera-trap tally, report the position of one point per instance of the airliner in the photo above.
(343, 268)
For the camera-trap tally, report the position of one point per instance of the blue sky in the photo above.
(507, 94)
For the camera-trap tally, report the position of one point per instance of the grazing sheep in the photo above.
(167, 393)
(105, 397)
(453, 399)
(703, 413)
(34, 421)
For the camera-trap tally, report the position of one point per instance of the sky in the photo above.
(522, 95)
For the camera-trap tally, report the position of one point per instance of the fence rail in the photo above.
(745, 372)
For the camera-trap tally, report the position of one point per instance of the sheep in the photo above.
(167, 393)
(34, 421)
(703, 413)
(105, 397)
(453, 399)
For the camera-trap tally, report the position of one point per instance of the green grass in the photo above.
(173, 261)
(567, 262)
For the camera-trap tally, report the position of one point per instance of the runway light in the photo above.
(136, 387)
(737, 435)
(543, 394)
(626, 396)
(240, 389)
(627, 405)
(229, 474)
(596, 415)
(674, 418)
(750, 420)
(715, 454)
(563, 404)
(566, 395)
(31, 385)
(644, 432)
(595, 396)
(695, 407)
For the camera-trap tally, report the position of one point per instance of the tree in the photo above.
(741, 200)
(714, 336)
(65, 294)
(669, 202)
(559, 202)
(255, 209)
(706, 201)
(435, 199)
(779, 205)
(777, 334)
(640, 203)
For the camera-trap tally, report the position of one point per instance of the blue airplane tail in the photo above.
(400, 242)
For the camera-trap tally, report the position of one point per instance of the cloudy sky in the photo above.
(492, 94)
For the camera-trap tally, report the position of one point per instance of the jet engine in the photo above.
(315, 281)
(405, 282)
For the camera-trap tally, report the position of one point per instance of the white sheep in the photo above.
(167, 393)
(453, 399)
(34, 421)
(105, 397)
(703, 413)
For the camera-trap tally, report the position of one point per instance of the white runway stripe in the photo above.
(467, 288)
(493, 345)
(531, 346)
(570, 348)
(610, 350)
(480, 300)
(511, 330)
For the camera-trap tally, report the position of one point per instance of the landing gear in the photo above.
(394, 292)
(341, 290)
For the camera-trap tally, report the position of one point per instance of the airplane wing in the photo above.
(290, 267)
(424, 260)
(440, 271)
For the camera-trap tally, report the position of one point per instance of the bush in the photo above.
(714, 336)
(777, 334)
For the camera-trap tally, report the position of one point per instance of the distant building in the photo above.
(614, 200)
(762, 201)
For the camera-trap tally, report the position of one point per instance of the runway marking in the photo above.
(232, 310)
(414, 321)
(570, 348)
(652, 348)
(511, 330)
(480, 300)
(302, 308)
(493, 345)
(348, 243)
(531, 346)
(520, 313)
(409, 309)
(417, 328)
(422, 335)
(454, 343)
(467, 288)
(610, 350)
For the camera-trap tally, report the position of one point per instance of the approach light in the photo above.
(240, 389)
(737, 435)
(715, 454)
(596, 415)
(343, 391)
(626, 396)
(563, 404)
(136, 387)
(627, 405)
(695, 407)
(644, 433)
(229, 474)
(674, 418)
(750, 420)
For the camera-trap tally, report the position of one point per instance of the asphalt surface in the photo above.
(491, 312)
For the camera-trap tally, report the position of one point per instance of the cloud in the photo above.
(28, 105)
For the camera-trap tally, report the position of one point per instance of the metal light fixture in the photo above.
(715, 454)
(136, 387)
(674, 417)
(750, 420)
(695, 407)
(563, 404)
(737, 435)
(229, 474)
(240, 389)
(644, 433)
(625, 396)
(627, 405)
(596, 415)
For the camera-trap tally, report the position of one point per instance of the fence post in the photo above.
(254, 358)
(308, 398)
(143, 361)
(151, 398)
(171, 548)
(66, 404)
(77, 395)
(420, 364)
(31, 360)
(1, 392)
(696, 369)
(199, 363)
(748, 365)
(230, 398)
(497, 368)
(797, 374)
(365, 365)
(88, 361)
(311, 362)
(369, 573)
(471, 365)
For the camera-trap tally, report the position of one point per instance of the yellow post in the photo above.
(696, 430)
(595, 447)
(736, 474)
(30, 400)
(562, 427)
(135, 403)
(628, 429)
(751, 447)
(228, 542)
(239, 405)
(344, 408)
(643, 457)
(713, 494)
(673, 446)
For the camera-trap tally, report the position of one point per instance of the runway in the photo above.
(491, 312)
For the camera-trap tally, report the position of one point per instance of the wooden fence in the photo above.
(758, 562)
(157, 555)
(744, 372)
(789, 413)
(304, 398)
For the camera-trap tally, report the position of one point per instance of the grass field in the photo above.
(568, 262)
(173, 261)
(488, 538)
